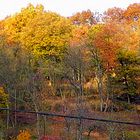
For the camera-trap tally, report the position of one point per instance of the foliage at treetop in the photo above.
(45, 34)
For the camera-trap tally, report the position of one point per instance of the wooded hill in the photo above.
(89, 61)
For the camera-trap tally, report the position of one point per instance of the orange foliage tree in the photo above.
(132, 13)
(108, 40)
(24, 135)
(83, 18)
(114, 14)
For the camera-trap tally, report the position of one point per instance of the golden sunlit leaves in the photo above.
(16, 23)
(45, 39)
(24, 135)
(45, 34)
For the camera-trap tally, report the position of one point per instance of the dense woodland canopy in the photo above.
(90, 59)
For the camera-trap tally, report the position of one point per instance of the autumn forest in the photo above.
(85, 65)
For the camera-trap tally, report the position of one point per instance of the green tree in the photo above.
(128, 73)
(4, 98)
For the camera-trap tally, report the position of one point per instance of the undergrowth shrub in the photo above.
(24, 135)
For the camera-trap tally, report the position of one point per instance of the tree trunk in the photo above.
(37, 123)
(15, 107)
(100, 87)
(7, 120)
(128, 98)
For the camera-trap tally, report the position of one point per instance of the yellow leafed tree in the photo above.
(24, 135)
